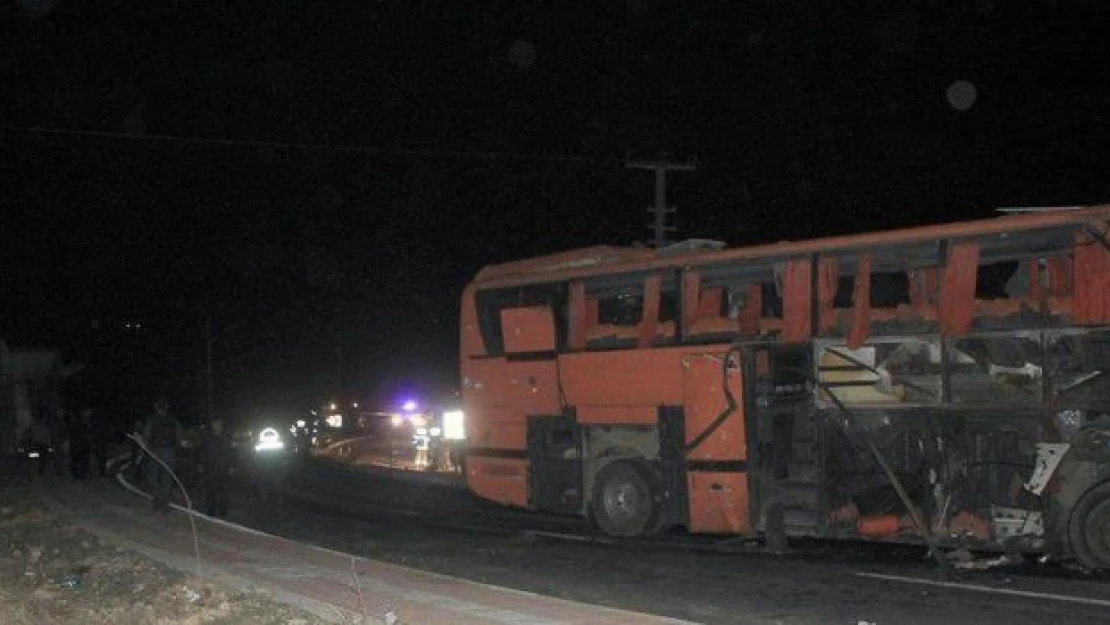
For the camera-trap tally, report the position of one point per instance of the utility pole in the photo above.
(660, 210)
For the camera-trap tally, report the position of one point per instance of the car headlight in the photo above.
(269, 440)
(454, 425)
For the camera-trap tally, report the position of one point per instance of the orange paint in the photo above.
(617, 415)
(691, 291)
(702, 377)
(861, 304)
(530, 329)
(828, 281)
(579, 321)
(1091, 301)
(957, 294)
(649, 319)
(470, 339)
(503, 480)
(880, 526)
(641, 377)
(719, 503)
(525, 387)
(797, 313)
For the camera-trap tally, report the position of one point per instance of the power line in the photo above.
(316, 147)
(895, 161)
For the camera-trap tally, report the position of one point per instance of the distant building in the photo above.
(30, 385)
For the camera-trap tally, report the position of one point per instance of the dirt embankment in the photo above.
(53, 572)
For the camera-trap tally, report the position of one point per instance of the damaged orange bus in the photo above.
(942, 383)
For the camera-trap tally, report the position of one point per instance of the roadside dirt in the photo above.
(53, 572)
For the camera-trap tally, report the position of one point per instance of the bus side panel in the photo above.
(497, 429)
(645, 377)
(718, 502)
(498, 397)
(504, 480)
(617, 415)
(705, 401)
(523, 387)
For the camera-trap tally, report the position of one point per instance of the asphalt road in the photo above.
(378, 516)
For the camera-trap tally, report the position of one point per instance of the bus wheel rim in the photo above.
(622, 500)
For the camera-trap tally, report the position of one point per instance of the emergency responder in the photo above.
(161, 435)
(217, 462)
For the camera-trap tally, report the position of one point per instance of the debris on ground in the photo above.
(53, 572)
(983, 564)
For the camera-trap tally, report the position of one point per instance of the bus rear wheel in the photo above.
(624, 500)
(1089, 528)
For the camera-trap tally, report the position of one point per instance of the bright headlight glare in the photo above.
(454, 425)
(269, 440)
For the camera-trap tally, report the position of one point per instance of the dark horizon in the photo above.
(320, 180)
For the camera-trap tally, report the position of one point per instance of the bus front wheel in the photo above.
(623, 502)
(1089, 528)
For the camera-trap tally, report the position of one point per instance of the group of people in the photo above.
(84, 442)
(69, 436)
(159, 442)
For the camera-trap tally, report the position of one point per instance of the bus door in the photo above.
(716, 443)
(785, 440)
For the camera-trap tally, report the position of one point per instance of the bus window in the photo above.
(886, 292)
(1022, 279)
(885, 371)
(1079, 370)
(630, 311)
(492, 302)
(724, 302)
(995, 369)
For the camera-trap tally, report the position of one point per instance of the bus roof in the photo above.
(604, 259)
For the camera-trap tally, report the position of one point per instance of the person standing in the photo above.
(218, 461)
(162, 432)
(80, 443)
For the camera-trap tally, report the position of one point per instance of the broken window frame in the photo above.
(855, 271)
(658, 303)
(761, 315)
(490, 303)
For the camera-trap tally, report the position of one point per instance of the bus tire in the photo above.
(1089, 528)
(624, 500)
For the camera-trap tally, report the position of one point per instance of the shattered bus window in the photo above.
(996, 369)
(1078, 365)
(889, 370)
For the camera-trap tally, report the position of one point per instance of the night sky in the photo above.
(321, 178)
